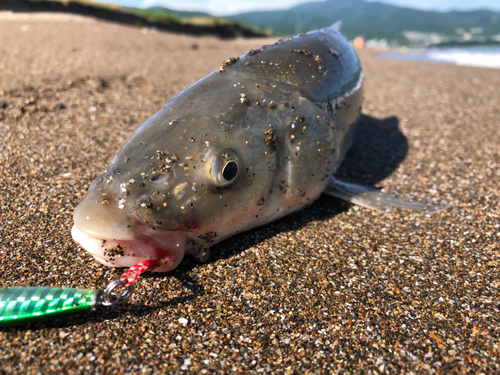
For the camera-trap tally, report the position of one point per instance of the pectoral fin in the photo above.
(370, 197)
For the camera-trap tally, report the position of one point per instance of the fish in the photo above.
(255, 140)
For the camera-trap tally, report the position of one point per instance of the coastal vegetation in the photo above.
(161, 19)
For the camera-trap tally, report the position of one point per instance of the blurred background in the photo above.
(454, 31)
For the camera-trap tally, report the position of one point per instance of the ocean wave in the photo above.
(488, 57)
(481, 56)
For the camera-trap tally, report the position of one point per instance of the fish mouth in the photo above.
(167, 246)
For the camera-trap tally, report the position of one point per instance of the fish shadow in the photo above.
(377, 150)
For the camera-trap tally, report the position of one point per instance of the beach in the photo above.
(331, 288)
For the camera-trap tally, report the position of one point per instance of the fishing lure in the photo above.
(21, 305)
(29, 304)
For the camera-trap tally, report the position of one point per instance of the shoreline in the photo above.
(477, 56)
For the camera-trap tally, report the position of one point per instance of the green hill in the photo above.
(179, 13)
(371, 19)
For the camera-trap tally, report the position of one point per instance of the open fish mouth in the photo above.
(167, 246)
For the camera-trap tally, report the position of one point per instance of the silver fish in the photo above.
(251, 142)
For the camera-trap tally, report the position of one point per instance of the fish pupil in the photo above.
(230, 171)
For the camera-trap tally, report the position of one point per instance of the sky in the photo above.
(228, 7)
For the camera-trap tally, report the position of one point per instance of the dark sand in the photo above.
(332, 288)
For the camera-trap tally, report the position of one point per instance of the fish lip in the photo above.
(167, 246)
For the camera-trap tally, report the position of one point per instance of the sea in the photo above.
(484, 56)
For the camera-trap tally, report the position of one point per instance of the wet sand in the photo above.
(334, 287)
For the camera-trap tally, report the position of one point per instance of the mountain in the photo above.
(179, 13)
(370, 19)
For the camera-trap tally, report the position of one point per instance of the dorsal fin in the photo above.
(337, 25)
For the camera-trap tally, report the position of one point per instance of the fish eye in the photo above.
(230, 171)
(226, 167)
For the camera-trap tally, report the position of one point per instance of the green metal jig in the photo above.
(23, 305)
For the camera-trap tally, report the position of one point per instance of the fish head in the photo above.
(195, 173)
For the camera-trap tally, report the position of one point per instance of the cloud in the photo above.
(223, 7)
(445, 5)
